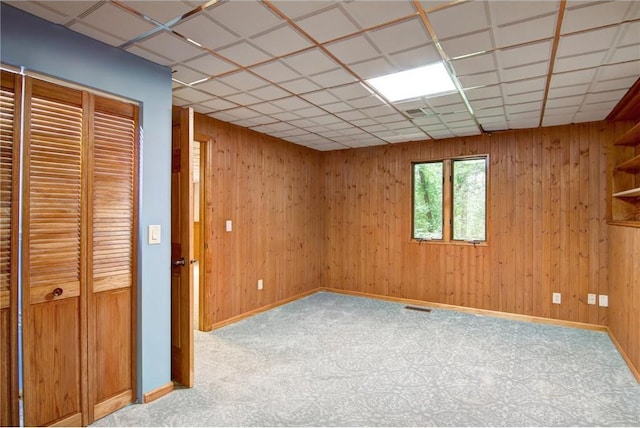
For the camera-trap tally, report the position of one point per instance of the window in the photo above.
(450, 200)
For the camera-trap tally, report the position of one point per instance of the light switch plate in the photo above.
(228, 226)
(154, 234)
(603, 300)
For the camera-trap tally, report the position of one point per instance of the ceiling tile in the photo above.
(116, 21)
(567, 91)
(483, 92)
(586, 42)
(462, 18)
(627, 53)
(216, 87)
(572, 78)
(590, 116)
(517, 11)
(326, 119)
(186, 75)
(161, 11)
(486, 103)
(309, 62)
(316, 25)
(170, 46)
(218, 104)
(619, 71)
(298, 9)
(581, 16)
(242, 113)
(244, 53)
(266, 108)
(468, 44)
(61, 13)
(554, 118)
(191, 95)
(524, 97)
(281, 41)
(352, 115)
(337, 107)
(206, 32)
(243, 80)
(598, 97)
(474, 64)
(353, 49)
(210, 65)
(368, 101)
(573, 102)
(320, 97)
(525, 32)
(401, 36)
(367, 13)
(529, 85)
(275, 71)
(415, 57)
(373, 68)
(578, 62)
(479, 79)
(300, 86)
(310, 112)
(151, 56)
(522, 55)
(243, 99)
(612, 85)
(94, 33)
(246, 18)
(630, 32)
(270, 92)
(285, 115)
(525, 71)
(489, 112)
(332, 78)
(291, 104)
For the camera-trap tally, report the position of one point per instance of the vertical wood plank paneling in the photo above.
(624, 289)
(545, 230)
(272, 191)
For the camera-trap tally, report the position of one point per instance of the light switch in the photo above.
(154, 234)
(228, 226)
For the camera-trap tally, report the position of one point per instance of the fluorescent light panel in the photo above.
(428, 80)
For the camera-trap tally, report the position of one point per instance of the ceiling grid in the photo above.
(298, 70)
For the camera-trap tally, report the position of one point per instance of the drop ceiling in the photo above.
(297, 70)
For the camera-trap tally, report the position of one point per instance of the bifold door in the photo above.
(79, 227)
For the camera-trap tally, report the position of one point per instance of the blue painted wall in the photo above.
(47, 48)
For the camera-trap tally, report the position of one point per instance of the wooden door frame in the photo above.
(204, 261)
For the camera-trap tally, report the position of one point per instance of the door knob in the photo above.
(180, 262)
(57, 292)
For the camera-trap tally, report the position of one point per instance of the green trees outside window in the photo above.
(450, 200)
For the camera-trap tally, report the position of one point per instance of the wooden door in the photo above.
(10, 90)
(54, 256)
(182, 247)
(112, 173)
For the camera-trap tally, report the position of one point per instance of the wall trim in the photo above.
(262, 309)
(159, 392)
(625, 357)
(475, 311)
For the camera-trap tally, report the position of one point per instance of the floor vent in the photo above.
(417, 308)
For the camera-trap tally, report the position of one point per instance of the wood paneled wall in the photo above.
(546, 230)
(272, 192)
(624, 290)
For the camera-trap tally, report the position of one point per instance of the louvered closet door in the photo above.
(53, 255)
(9, 133)
(113, 172)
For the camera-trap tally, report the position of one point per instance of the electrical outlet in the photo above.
(591, 299)
(557, 298)
(259, 284)
(603, 300)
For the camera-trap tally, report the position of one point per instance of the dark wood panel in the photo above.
(113, 345)
(272, 192)
(52, 362)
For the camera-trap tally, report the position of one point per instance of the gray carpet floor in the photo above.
(335, 360)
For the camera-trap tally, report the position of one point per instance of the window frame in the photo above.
(447, 201)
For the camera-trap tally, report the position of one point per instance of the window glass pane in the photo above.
(469, 199)
(427, 200)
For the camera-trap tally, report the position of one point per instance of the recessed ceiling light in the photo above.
(428, 80)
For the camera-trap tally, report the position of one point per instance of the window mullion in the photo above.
(447, 202)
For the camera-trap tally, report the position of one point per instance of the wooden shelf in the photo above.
(631, 165)
(631, 193)
(630, 138)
